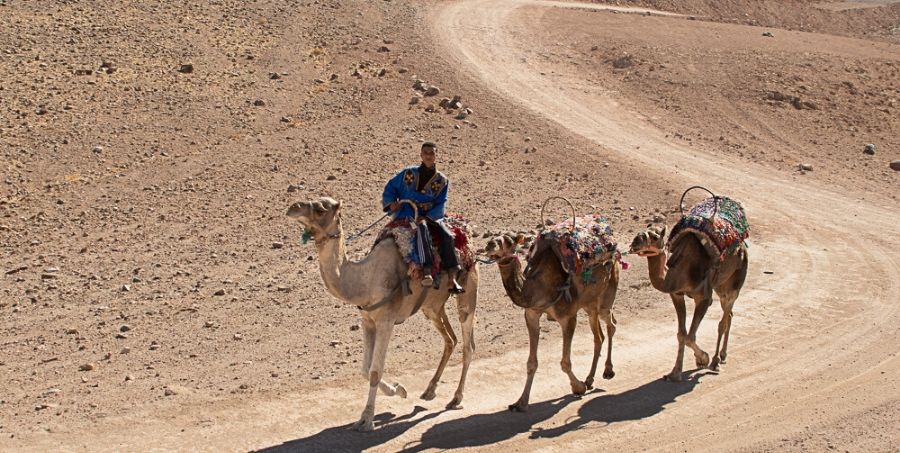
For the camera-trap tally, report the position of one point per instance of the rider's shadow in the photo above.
(635, 404)
(487, 429)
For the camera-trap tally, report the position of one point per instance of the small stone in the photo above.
(88, 367)
(414, 100)
(97, 149)
(220, 292)
(768, 34)
(806, 167)
(126, 288)
(237, 336)
(129, 377)
(208, 324)
(331, 178)
(71, 331)
(334, 343)
(48, 276)
(274, 76)
(403, 70)
(154, 346)
(278, 245)
(432, 91)
(124, 328)
(169, 392)
(354, 327)
(420, 85)
(259, 103)
(287, 119)
(895, 165)
(186, 68)
(869, 149)
(125, 351)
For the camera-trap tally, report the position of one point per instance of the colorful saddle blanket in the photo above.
(404, 234)
(591, 244)
(719, 219)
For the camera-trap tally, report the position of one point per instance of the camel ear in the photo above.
(318, 207)
(338, 207)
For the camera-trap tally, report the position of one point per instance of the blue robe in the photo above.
(430, 200)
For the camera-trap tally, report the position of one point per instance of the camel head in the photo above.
(504, 246)
(650, 242)
(319, 216)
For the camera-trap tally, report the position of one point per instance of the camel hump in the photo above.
(589, 244)
(719, 222)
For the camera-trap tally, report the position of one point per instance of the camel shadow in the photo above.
(635, 404)
(342, 439)
(488, 429)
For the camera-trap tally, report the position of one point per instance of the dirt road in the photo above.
(813, 359)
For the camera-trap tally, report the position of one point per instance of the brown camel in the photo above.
(537, 290)
(692, 270)
(376, 285)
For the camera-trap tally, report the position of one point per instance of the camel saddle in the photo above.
(403, 232)
(588, 245)
(720, 222)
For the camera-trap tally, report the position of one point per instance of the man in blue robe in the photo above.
(428, 188)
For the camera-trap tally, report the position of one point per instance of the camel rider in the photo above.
(427, 187)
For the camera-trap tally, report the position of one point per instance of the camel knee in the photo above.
(566, 366)
(532, 366)
(374, 378)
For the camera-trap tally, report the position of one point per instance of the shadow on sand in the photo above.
(488, 429)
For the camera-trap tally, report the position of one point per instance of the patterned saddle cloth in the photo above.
(404, 234)
(591, 244)
(720, 220)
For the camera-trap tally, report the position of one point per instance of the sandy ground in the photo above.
(143, 228)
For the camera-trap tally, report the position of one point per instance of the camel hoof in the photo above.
(714, 365)
(589, 383)
(702, 360)
(579, 389)
(428, 395)
(672, 377)
(400, 390)
(609, 374)
(454, 404)
(364, 426)
(518, 407)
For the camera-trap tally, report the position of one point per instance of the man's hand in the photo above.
(394, 206)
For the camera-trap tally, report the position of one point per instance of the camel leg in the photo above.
(598, 347)
(465, 306)
(533, 322)
(610, 320)
(568, 327)
(680, 311)
(442, 324)
(727, 297)
(368, 345)
(383, 332)
(700, 308)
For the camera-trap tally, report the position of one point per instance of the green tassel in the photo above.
(306, 237)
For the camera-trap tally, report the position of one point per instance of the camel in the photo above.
(376, 285)
(538, 291)
(691, 270)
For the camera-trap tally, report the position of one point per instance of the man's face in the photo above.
(428, 156)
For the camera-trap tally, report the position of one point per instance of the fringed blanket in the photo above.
(591, 244)
(719, 219)
(404, 234)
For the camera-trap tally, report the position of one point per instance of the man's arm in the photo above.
(392, 192)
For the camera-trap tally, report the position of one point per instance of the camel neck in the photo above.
(656, 265)
(513, 280)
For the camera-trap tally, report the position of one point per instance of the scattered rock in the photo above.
(806, 167)
(124, 328)
(278, 245)
(869, 149)
(623, 62)
(420, 85)
(259, 103)
(88, 367)
(170, 392)
(768, 34)
(331, 178)
(334, 343)
(129, 377)
(125, 350)
(414, 100)
(432, 91)
(208, 324)
(126, 288)
(237, 336)
(895, 165)
(274, 76)
(220, 292)
(186, 68)
(354, 327)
